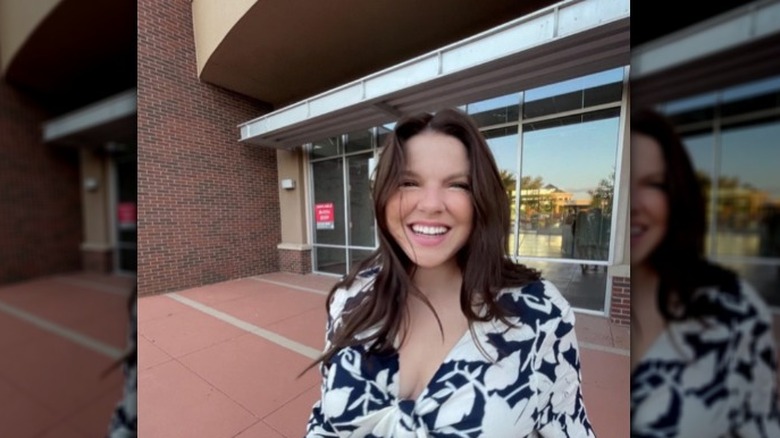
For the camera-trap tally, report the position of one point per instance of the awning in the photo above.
(738, 46)
(569, 39)
(111, 119)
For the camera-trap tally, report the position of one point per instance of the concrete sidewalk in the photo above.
(223, 360)
(59, 335)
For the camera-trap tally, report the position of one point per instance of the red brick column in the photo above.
(620, 307)
(40, 207)
(295, 261)
(208, 205)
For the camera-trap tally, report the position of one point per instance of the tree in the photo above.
(601, 197)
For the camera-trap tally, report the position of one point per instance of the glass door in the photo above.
(126, 176)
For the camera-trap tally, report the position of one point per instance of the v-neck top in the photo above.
(710, 378)
(530, 386)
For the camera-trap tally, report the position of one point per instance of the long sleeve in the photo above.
(562, 411)
(318, 425)
(758, 416)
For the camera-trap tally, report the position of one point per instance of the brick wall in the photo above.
(208, 206)
(297, 262)
(620, 308)
(40, 209)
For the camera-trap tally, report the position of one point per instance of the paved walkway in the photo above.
(58, 336)
(223, 360)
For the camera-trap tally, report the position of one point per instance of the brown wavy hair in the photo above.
(679, 259)
(483, 260)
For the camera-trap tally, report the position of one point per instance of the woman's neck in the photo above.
(441, 280)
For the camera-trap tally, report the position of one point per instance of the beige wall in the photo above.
(95, 203)
(211, 23)
(291, 165)
(18, 20)
(621, 265)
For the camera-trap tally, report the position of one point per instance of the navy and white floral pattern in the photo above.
(531, 387)
(714, 378)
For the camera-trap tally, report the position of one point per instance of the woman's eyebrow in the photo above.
(410, 173)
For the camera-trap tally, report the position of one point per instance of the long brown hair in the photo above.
(483, 260)
(679, 259)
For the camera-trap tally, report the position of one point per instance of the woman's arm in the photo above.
(561, 406)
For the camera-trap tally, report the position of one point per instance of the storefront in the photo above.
(723, 96)
(549, 92)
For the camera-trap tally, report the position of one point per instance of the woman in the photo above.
(702, 351)
(438, 333)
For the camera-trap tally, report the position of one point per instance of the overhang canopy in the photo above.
(737, 46)
(568, 39)
(110, 120)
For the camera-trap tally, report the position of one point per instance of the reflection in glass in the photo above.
(495, 111)
(358, 141)
(358, 255)
(328, 212)
(575, 94)
(331, 260)
(582, 289)
(732, 134)
(567, 189)
(503, 145)
(749, 191)
(361, 209)
(325, 148)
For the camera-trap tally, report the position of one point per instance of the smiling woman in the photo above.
(438, 331)
(703, 357)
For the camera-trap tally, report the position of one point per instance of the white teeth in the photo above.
(430, 231)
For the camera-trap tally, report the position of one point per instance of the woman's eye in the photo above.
(461, 186)
(408, 184)
(658, 185)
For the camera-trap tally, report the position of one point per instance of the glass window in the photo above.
(331, 260)
(329, 202)
(503, 143)
(495, 111)
(325, 148)
(361, 209)
(749, 190)
(731, 137)
(574, 94)
(358, 141)
(567, 190)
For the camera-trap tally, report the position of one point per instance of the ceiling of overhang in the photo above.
(720, 70)
(83, 51)
(282, 51)
(644, 29)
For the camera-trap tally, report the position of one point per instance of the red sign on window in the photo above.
(126, 215)
(324, 216)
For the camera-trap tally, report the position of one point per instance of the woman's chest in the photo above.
(466, 391)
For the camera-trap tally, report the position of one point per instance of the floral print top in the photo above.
(528, 387)
(710, 378)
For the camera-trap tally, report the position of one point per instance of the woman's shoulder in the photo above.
(538, 301)
(348, 295)
(733, 303)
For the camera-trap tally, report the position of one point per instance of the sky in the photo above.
(573, 158)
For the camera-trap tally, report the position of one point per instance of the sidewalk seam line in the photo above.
(291, 286)
(268, 335)
(596, 347)
(63, 332)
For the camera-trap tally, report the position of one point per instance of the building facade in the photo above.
(67, 117)
(258, 136)
(718, 79)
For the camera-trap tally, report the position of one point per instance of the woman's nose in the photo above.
(432, 200)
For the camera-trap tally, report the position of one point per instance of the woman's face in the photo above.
(430, 214)
(649, 203)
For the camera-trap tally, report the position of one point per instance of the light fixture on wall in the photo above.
(288, 184)
(91, 184)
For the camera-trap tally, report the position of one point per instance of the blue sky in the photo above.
(574, 158)
(750, 153)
